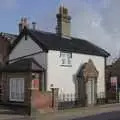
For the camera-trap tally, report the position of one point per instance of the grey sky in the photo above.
(98, 21)
(95, 20)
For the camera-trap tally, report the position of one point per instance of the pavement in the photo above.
(102, 112)
(7, 113)
(13, 117)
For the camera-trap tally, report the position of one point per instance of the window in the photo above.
(66, 58)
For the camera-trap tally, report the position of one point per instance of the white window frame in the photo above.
(16, 89)
(67, 58)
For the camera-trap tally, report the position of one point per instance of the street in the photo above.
(104, 116)
(103, 112)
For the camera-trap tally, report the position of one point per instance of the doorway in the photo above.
(87, 83)
(91, 91)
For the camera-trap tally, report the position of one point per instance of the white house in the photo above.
(71, 64)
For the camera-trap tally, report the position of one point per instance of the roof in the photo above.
(115, 65)
(51, 41)
(9, 36)
(22, 65)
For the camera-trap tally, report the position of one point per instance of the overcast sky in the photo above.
(95, 20)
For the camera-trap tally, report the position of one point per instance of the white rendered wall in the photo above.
(28, 47)
(24, 47)
(63, 77)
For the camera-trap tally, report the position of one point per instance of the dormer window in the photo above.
(66, 59)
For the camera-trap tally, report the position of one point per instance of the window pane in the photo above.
(63, 61)
(69, 61)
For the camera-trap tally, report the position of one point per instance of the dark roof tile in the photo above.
(22, 65)
(51, 41)
(55, 42)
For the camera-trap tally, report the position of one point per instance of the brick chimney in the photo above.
(4, 49)
(63, 22)
(23, 23)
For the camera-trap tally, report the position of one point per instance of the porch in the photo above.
(17, 80)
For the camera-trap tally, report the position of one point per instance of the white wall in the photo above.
(62, 77)
(27, 47)
(41, 58)
(24, 47)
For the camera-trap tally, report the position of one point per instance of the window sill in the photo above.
(66, 65)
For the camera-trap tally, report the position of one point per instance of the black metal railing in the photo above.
(66, 101)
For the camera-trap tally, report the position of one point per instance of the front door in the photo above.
(91, 91)
(16, 92)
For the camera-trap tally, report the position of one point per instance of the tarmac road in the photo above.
(103, 116)
(103, 112)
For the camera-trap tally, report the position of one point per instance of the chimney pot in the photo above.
(34, 25)
(23, 23)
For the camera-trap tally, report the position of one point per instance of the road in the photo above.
(105, 112)
(103, 116)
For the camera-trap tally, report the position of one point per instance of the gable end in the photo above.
(25, 33)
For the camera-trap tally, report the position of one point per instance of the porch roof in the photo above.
(23, 65)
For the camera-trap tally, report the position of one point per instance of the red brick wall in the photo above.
(5, 86)
(41, 101)
(4, 49)
(47, 101)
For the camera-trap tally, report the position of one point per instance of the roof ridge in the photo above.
(9, 33)
(42, 31)
(51, 41)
